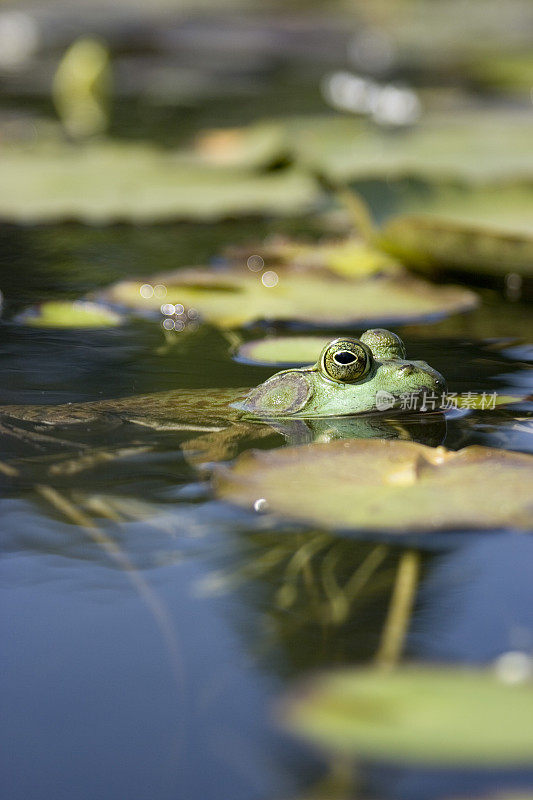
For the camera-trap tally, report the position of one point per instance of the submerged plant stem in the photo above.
(399, 613)
(359, 213)
(157, 609)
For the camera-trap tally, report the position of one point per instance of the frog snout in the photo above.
(440, 383)
(437, 381)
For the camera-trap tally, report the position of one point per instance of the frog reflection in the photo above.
(335, 398)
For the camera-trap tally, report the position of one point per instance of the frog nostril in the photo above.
(407, 369)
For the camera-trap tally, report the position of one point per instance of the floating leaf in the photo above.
(234, 297)
(286, 351)
(386, 485)
(505, 71)
(427, 715)
(67, 314)
(476, 146)
(253, 146)
(480, 145)
(436, 39)
(485, 230)
(352, 258)
(138, 182)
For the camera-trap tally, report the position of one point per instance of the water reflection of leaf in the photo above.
(319, 597)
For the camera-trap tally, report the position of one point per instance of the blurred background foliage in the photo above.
(206, 111)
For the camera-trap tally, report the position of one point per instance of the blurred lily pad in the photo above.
(282, 351)
(137, 182)
(67, 314)
(252, 147)
(487, 230)
(395, 486)
(235, 297)
(425, 715)
(480, 145)
(434, 38)
(352, 258)
(504, 71)
(474, 146)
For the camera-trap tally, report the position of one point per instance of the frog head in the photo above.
(351, 376)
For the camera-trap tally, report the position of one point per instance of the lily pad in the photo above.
(432, 39)
(107, 181)
(282, 351)
(393, 486)
(475, 146)
(67, 314)
(487, 230)
(235, 297)
(439, 716)
(352, 258)
(254, 146)
(504, 71)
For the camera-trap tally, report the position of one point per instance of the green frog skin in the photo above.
(343, 382)
(302, 405)
(347, 378)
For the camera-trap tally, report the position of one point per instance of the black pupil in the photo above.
(345, 357)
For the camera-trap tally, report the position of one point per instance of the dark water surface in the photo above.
(145, 660)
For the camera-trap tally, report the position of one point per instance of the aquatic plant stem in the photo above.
(399, 613)
(352, 202)
(359, 213)
(156, 608)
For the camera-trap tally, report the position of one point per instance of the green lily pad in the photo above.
(282, 351)
(487, 230)
(435, 38)
(235, 297)
(67, 314)
(351, 258)
(250, 147)
(106, 181)
(395, 486)
(438, 716)
(475, 146)
(504, 71)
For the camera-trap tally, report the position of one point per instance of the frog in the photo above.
(351, 376)
(337, 397)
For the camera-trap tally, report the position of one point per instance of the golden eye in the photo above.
(345, 360)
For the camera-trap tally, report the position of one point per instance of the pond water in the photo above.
(145, 648)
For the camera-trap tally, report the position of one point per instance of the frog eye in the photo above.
(345, 360)
(384, 344)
